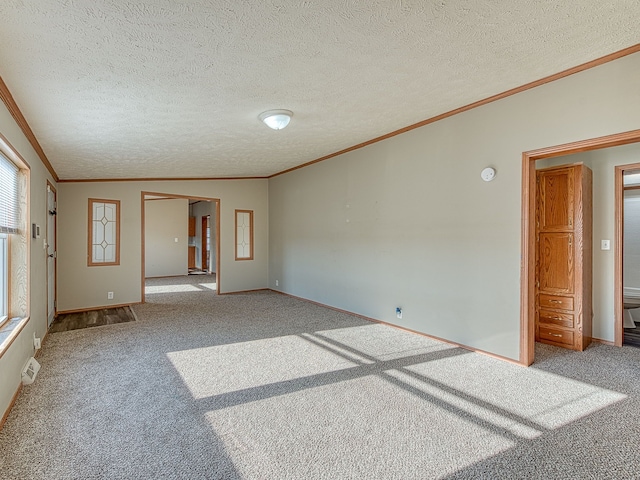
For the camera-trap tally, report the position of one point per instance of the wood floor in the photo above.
(93, 318)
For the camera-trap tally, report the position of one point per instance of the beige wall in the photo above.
(408, 222)
(405, 222)
(15, 357)
(85, 287)
(165, 222)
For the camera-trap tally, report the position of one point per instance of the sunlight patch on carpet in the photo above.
(557, 401)
(371, 433)
(151, 289)
(234, 367)
(381, 342)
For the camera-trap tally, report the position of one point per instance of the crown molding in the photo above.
(479, 103)
(159, 179)
(15, 112)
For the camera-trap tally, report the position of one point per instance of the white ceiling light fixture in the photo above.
(276, 119)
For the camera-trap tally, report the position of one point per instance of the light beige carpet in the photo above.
(262, 386)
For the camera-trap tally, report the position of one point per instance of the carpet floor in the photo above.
(263, 386)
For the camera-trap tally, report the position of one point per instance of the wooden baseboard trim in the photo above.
(374, 320)
(80, 310)
(240, 292)
(8, 411)
(604, 342)
(45, 337)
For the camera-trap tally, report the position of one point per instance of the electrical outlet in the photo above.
(277, 283)
(398, 312)
(109, 295)
(36, 342)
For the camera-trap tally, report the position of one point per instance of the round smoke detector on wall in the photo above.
(488, 174)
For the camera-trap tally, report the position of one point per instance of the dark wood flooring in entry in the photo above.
(93, 318)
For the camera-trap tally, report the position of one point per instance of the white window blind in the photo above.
(9, 219)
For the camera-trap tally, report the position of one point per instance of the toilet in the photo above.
(627, 320)
(629, 303)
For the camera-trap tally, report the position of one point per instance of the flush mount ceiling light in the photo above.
(276, 119)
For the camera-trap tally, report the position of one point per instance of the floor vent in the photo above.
(30, 371)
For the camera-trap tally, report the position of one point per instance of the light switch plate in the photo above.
(605, 245)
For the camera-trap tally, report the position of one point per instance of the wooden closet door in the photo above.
(556, 263)
(556, 193)
(563, 256)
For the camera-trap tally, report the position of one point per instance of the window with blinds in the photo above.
(9, 224)
(9, 202)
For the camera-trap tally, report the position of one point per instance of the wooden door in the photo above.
(563, 256)
(556, 207)
(204, 242)
(556, 262)
(191, 258)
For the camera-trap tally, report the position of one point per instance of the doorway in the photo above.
(51, 253)
(214, 243)
(527, 291)
(628, 216)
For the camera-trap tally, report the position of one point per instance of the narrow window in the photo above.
(104, 232)
(244, 235)
(9, 226)
(4, 278)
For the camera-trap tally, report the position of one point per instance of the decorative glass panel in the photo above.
(244, 235)
(104, 218)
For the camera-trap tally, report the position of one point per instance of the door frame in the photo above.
(51, 189)
(527, 267)
(618, 334)
(204, 221)
(143, 194)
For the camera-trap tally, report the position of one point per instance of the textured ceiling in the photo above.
(166, 88)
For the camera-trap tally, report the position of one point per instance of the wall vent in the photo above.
(30, 371)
